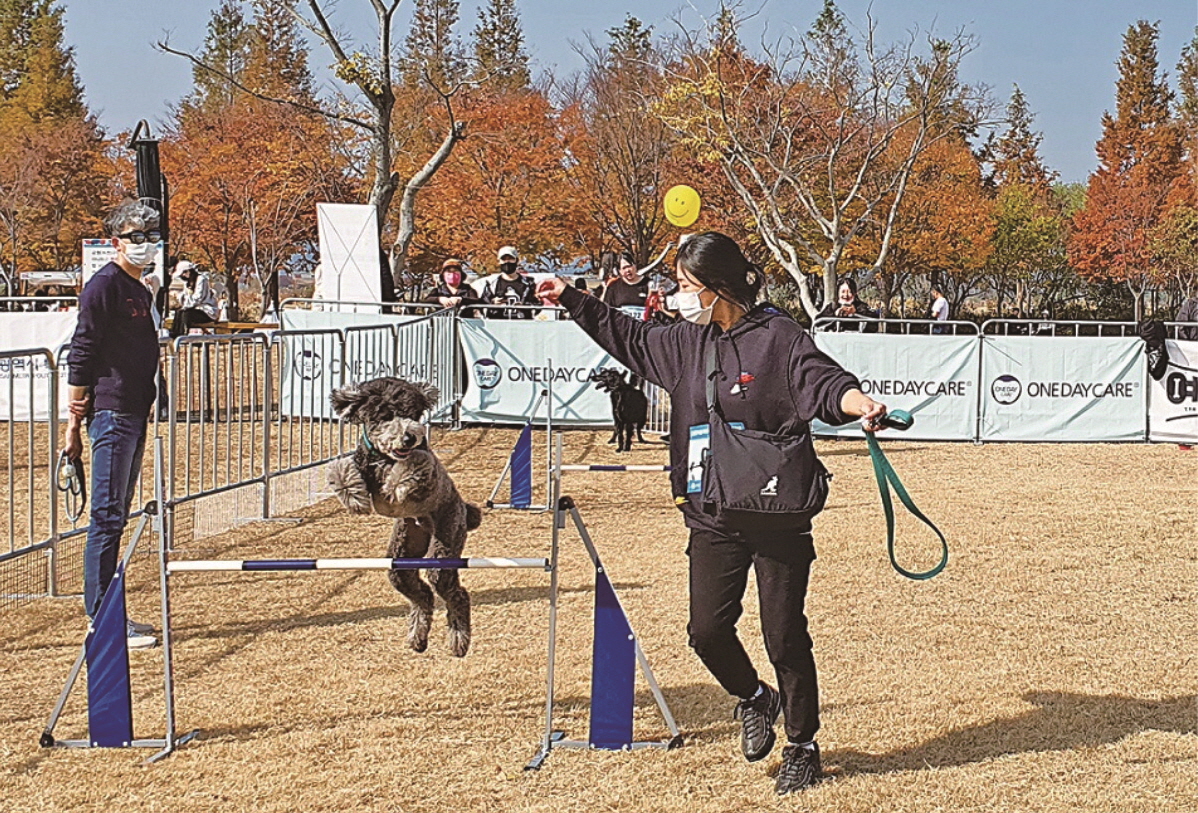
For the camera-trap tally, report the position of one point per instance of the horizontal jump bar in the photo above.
(615, 468)
(351, 564)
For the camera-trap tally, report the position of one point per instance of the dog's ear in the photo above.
(431, 394)
(346, 403)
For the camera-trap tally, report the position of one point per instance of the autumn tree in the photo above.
(623, 158)
(246, 173)
(1028, 258)
(432, 49)
(54, 172)
(1139, 162)
(499, 53)
(374, 75)
(820, 137)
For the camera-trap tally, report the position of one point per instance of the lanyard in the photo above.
(887, 478)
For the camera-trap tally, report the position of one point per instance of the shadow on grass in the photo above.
(478, 598)
(1061, 722)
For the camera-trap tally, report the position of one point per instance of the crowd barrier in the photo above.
(247, 422)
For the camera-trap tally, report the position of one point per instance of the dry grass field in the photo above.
(1050, 668)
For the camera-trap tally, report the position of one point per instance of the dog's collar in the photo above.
(371, 449)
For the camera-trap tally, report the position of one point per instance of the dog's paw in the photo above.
(459, 642)
(419, 623)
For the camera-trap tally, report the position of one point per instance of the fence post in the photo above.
(268, 392)
(52, 430)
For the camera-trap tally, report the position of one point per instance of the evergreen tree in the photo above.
(432, 50)
(1016, 154)
(37, 71)
(1139, 162)
(226, 48)
(499, 46)
(276, 61)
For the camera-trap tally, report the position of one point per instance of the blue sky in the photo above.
(1062, 53)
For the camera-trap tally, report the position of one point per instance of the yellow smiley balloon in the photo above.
(682, 205)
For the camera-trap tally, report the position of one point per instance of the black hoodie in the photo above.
(771, 378)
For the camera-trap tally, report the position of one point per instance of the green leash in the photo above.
(900, 419)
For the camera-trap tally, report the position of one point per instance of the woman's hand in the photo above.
(856, 403)
(551, 290)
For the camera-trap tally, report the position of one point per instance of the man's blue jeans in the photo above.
(118, 443)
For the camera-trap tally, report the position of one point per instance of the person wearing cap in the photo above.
(197, 303)
(628, 288)
(453, 291)
(510, 288)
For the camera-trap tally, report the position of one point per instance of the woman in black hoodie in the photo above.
(768, 377)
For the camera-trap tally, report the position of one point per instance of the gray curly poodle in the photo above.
(393, 472)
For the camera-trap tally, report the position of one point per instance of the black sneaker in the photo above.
(758, 715)
(800, 769)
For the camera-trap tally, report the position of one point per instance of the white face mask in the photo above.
(141, 256)
(690, 307)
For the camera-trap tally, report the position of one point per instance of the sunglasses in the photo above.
(139, 237)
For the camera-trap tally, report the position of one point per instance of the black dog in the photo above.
(629, 406)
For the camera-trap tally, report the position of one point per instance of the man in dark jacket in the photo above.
(768, 377)
(628, 289)
(510, 288)
(113, 364)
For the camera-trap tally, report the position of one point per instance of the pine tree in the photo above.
(37, 71)
(1139, 162)
(432, 50)
(276, 62)
(1016, 154)
(499, 46)
(226, 48)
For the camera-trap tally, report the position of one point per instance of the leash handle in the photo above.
(887, 478)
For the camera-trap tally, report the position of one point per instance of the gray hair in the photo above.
(131, 215)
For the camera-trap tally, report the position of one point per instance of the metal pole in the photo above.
(168, 680)
(52, 424)
(559, 521)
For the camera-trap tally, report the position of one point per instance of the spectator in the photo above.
(1188, 313)
(510, 288)
(1043, 328)
(939, 309)
(848, 306)
(197, 303)
(1017, 328)
(453, 291)
(112, 364)
(627, 289)
(581, 284)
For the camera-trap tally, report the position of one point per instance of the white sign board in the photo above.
(21, 331)
(510, 362)
(1059, 388)
(1173, 401)
(349, 268)
(932, 377)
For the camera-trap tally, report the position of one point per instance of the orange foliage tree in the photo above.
(1139, 163)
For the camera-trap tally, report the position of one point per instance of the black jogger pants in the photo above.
(719, 570)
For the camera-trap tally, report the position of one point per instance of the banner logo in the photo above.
(487, 373)
(1179, 389)
(1006, 389)
(307, 365)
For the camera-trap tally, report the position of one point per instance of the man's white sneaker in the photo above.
(136, 640)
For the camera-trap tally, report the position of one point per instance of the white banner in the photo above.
(1059, 388)
(313, 364)
(510, 362)
(932, 377)
(1173, 401)
(349, 254)
(22, 331)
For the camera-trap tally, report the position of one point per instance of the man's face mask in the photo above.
(507, 267)
(140, 255)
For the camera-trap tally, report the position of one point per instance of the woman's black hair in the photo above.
(626, 257)
(716, 261)
(849, 281)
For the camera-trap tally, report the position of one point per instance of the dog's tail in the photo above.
(474, 516)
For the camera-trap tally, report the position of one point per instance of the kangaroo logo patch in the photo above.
(771, 488)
